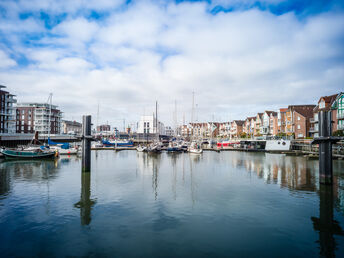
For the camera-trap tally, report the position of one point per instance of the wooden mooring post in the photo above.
(86, 143)
(325, 141)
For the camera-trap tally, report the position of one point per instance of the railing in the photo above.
(314, 120)
(340, 127)
(340, 116)
(313, 130)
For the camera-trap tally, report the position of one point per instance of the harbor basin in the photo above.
(226, 204)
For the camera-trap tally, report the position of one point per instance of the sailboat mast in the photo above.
(49, 119)
(192, 113)
(156, 119)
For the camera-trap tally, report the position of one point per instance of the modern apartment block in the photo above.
(7, 111)
(147, 125)
(31, 117)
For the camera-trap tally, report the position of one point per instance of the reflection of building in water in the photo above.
(292, 172)
(85, 204)
(5, 182)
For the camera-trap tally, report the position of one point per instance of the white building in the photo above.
(7, 112)
(147, 125)
(169, 131)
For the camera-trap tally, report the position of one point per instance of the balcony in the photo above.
(313, 130)
(314, 120)
(340, 127)
(340, 116)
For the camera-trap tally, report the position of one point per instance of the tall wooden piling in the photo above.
(325, 141)
(86, 143)
(325, 148)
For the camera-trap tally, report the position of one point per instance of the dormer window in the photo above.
(322, 104)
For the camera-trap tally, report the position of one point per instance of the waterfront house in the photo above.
(258, 124)
(31, 117)
(252, 125)
(324, 103)
(224, 129)
(236, 129)
(265, 123)
(7, 111)
(338, 110)
(298, 117)
(281, 120)
(273, 123)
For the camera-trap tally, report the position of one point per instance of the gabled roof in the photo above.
(329, 100)
(304, 110)
(283, 110)
(239, 122)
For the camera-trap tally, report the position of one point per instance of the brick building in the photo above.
(31, 117)
(298, 120)
(7, 111)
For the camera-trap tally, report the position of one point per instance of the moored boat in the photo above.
(38, 153)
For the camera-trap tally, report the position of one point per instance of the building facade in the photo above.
(325, 103)
(103, 128)
(7, 111)
(298, 117)
(338, 107)
(32, 117)
(71, 127)
(148, 125)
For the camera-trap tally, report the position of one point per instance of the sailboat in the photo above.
(155, 147)
(195, 147)
(35, 150)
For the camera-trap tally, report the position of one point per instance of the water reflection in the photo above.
(86, 203)
(325, 224)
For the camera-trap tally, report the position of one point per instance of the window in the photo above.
(23, 117)
(144, 124)
(322, 104)
(298, 127)
(23, 112)
(22, 128)
(29, 122)
(147, 124)
(298, 118)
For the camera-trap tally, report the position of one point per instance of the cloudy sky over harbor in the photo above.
(239, 57)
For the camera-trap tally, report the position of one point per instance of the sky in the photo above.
(238, 57)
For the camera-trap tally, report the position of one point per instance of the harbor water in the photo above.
(227, 204)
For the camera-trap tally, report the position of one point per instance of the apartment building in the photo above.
(7, 111)
(71, 127)
(338, 108)
(148, 124)
(281, 120)
(236, 129)
(31, 117)
(298, 120)
(325, 103)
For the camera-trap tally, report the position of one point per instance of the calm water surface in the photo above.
(135, 204)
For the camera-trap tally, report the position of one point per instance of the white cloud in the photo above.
(6, 61)
(149, 51)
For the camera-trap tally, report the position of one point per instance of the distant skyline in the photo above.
(239, 57)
